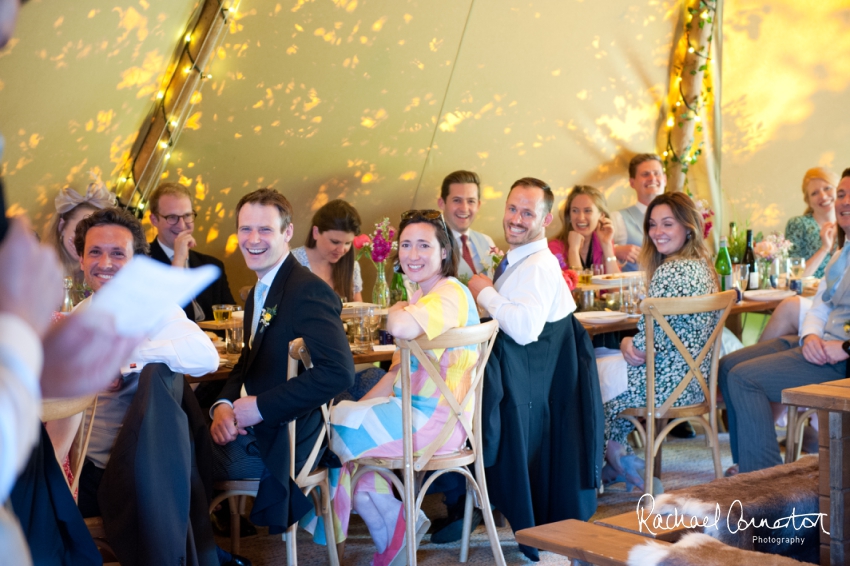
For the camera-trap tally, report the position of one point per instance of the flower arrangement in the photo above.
(773, 246)
(570, 276)
(707, 214)
(378, 247)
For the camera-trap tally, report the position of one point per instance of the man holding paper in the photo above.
(106, 242)
(288, 302)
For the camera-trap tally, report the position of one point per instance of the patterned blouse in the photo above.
(677, 278)
(804, 233)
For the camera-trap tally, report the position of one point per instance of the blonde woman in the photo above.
(587, 236)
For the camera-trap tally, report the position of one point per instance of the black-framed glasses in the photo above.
(173, 219)
(429, 214)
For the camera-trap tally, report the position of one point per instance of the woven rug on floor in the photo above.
(685, 463)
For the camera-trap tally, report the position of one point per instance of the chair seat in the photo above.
(672, 412)
(462, 457)
(250, 484)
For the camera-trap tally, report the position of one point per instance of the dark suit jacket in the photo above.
(543, 426)
(55, 531)
(307, 308)
(155, 491)
(218, 293)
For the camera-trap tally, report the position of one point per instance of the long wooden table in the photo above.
(733, 322)
(832, 399)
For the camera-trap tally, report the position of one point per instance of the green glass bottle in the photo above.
(723, 266)
(398, 292)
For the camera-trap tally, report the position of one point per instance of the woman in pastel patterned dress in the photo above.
(587, 237)
(372, 426)
(678, 263)
(813, 236)
(328, 252)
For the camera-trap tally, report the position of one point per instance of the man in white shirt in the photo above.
(529, 290)
(647, 178)
(460, 198)
(106, 241)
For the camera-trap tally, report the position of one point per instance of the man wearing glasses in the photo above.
(174, 219)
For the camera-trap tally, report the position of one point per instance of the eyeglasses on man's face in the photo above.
(173, 219)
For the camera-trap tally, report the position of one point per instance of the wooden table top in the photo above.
(829, 396)
(631, 322)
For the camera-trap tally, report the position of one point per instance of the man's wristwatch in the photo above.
(846, 347)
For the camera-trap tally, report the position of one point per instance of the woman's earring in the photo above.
(689, 235)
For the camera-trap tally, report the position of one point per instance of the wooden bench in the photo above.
(670, 530)
(584, 542)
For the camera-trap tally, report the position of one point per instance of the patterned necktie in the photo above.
(467, 255)
(259, 301)
(500, 269)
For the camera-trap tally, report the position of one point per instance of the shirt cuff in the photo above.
(485, 300)
(22, 349)
(219, 402)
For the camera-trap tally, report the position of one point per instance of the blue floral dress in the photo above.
(804, 233)
(674, 278)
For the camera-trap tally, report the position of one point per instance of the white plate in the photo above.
(615, 278)
(768, 294)
(600, 317)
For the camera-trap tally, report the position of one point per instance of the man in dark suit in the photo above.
(174, 219)
(287, 302)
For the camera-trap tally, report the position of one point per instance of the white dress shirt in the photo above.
(530, 295)
(20, 398)
(178, 343)
(816, 318)
(619, 225)
(480, 257)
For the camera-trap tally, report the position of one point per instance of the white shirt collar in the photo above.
(642, 207)
(525, 250)
(457, 234)
(168, 251)
(268, 278)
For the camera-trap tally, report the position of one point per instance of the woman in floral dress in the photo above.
(372, 427)
(677, 262)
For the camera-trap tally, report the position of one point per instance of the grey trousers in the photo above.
(750, 379)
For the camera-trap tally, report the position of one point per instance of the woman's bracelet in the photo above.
(612, 258)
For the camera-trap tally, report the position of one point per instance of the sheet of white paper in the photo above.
(144, 290)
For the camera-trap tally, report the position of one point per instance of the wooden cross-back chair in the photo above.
(656, 309)
(236, 491)
(55, 409)
(413, 466)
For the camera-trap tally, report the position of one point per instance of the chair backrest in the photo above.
(480, 335)
(655, 309)
(55, 409)
(298, 352)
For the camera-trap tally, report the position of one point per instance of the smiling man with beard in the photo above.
(542, 407)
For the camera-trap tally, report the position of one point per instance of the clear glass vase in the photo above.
(381, 291)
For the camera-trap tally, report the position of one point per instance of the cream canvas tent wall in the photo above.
(375, 101)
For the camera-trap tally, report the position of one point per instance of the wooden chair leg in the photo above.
(467, 523)
(291, 553)
(791, 435)
(327, 517)
(235, 521)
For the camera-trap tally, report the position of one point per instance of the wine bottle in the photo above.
(398, 292)
(750, 259)
(723, 265)
(67, 302)
(733, 243)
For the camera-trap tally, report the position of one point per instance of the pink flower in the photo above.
(765, 249)
(360, 241)
(571, 278)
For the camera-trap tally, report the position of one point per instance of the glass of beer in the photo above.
(797, 265)
(585, 277)
(221, 313)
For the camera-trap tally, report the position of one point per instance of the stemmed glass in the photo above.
(372, 321)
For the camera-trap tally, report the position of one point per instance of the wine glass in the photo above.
(373, 320)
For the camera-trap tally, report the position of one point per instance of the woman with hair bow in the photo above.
(71, 207)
